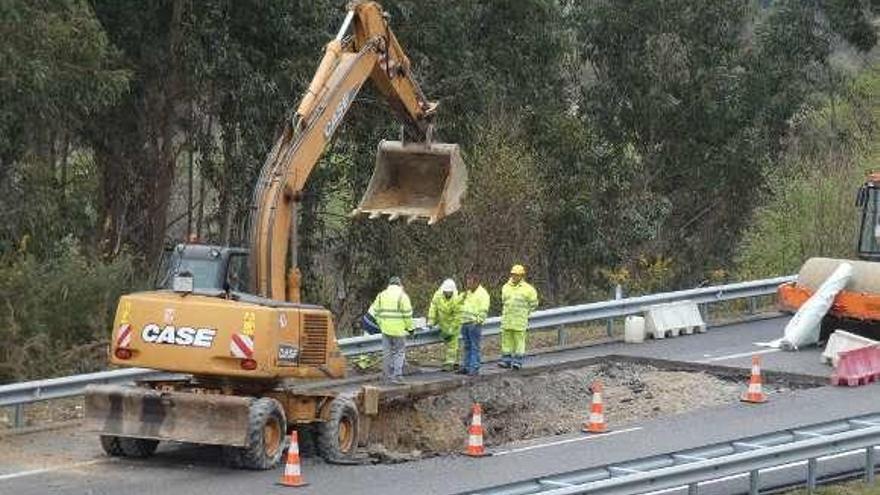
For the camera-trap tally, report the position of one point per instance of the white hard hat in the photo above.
(448, 285)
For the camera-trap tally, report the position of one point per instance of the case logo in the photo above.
(184, 336)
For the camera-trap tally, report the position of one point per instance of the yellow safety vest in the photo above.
(393, 311)
(475, 306)
(445, 312)
(517, 301)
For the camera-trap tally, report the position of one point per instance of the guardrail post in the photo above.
(609, 324)
(811, 474)
(754, 482)
(561, 335)
(18, 416)
(693, 489)
(870, 463)
(704, 312)
(753, 305)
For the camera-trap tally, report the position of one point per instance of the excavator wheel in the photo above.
(111, 445)
(267, 428)
(338, 436)
(128, 447)
(138, 447)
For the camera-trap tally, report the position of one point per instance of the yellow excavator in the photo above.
(254, 360)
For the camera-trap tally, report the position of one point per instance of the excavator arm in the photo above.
(414, 180)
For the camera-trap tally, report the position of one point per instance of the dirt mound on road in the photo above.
(524, 407)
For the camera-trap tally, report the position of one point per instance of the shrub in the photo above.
(56, 314)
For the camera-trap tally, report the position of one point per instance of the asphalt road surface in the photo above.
(71, 462)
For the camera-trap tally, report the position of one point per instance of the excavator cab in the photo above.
(868, 200)
(210, 268)
(415, 181)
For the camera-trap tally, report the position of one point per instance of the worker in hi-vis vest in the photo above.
(445, 314)
(518, 300)
(393, 312)
(474, 310)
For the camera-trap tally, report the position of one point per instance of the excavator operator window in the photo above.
(204, 263)
(237, 278)
(869, 233)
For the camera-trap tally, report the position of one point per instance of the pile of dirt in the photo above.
(524, 407)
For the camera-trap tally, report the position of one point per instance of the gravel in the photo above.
(518, 408)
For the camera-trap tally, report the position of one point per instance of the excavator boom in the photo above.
(414, 180)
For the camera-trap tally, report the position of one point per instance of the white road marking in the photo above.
(569, 440)
(740, 355)
(34, 472)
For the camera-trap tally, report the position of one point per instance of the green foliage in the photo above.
(45, 204)
(811, 215)
(57, 312)
(57, 71)
(810, 202)
(606, 142)
(500, 222)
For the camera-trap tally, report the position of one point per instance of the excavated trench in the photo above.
(519, 407)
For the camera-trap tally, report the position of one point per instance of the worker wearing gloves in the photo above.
(445, 313)
(474, 310)
(393, 312)
(518, 300)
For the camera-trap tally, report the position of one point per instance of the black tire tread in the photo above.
(253, 456)
(139, 448)
(111, 445)
(328, 431)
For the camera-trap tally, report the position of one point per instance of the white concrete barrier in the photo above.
(841, 341)
(673, 319)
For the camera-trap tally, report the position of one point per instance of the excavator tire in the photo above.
(111, 445)
(128, 447)
(338, 436)
(140, 448)
(267, 428)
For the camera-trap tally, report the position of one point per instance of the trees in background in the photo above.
(607, 141)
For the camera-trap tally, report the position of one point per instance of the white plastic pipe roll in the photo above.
(803, 329)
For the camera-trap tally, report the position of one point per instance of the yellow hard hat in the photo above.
(518, 270)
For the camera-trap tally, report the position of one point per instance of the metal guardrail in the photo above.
(688, 469)
(602, 310)
(69, 386)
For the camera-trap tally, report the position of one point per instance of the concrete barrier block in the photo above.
(841, 341)
(674, 319)
(857, 367)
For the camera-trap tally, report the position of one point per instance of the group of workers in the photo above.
(455, 315)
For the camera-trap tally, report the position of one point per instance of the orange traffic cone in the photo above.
(292, 474)
(475, 434)
(596, 422)
(755, 394)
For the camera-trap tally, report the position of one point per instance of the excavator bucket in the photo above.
(415, 181)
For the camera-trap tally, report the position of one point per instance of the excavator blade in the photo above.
(415, 181)
(184, 417)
